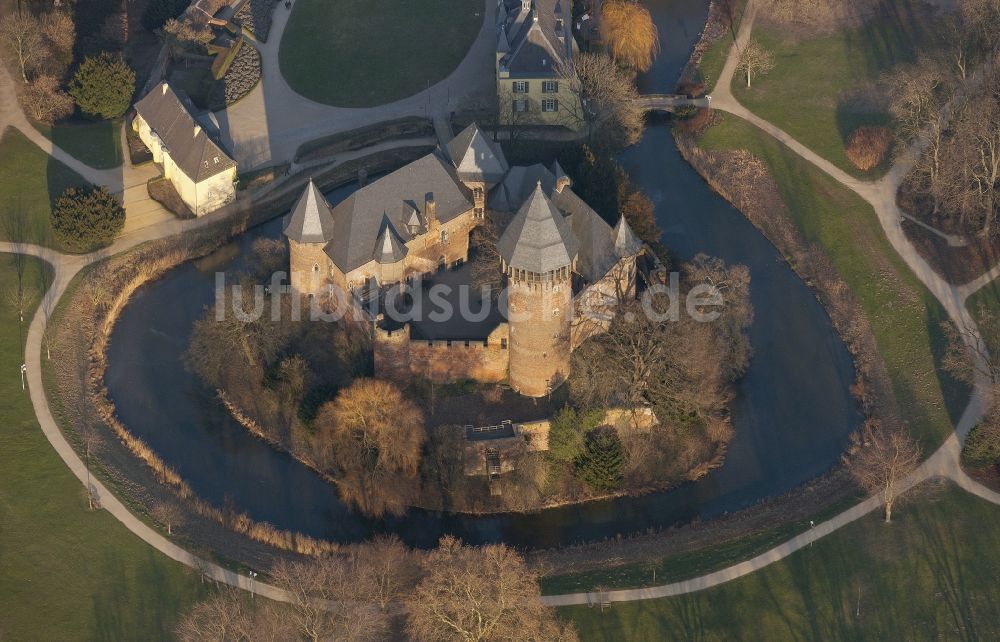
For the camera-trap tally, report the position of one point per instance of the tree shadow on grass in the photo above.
(956, 393)
(139, 601)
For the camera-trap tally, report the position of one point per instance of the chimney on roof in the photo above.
(164, 88)
(430, 210)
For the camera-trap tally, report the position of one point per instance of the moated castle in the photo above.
(566, 268)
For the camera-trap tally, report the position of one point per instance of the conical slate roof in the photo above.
(538, 239)
(389, 246)
(311, 220)
(626, 242)
(502, 45)
(559, 173)
(476, 157)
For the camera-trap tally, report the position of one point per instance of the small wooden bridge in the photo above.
(671, 102)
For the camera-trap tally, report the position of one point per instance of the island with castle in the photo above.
(565, 267)
(418, 387)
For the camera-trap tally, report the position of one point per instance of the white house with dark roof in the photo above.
(565, 267)
(535, 46)
(201, 172)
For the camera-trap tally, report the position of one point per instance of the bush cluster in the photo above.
(255, 15)
(240, 79)
(86, 219)
(103, 86)
(867, 147)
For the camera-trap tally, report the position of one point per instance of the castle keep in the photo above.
(566, 269)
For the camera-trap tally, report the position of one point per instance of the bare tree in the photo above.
(231, 616)
(628, 29)
(385, 570)
(483, 594)
(606, 99)
(376, 435)
(486, 269)
(755, 60)
(21, 33)
(327, 603)
(221, 618)
(60, 34)
(886, 457)
(971, 347)
(45, 101)
(169, 514)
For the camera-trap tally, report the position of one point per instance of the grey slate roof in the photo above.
(538, 239)
(596, 242)
(389, 246)
(476, 157)
(189, 145)
(357, 221)
(311, 220)
(626, 242)
(538, 46)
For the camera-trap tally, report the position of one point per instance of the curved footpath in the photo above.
(944, 463)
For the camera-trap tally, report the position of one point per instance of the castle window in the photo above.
(520, 86)
(503, 344)
(550, 105)
(444, 236)
(520, 106)
(316, 267)
(550, 86)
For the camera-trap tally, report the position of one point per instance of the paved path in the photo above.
(269, 124)
(140, 210)
(881, 194)
(944, 463)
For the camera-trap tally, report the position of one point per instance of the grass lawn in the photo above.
(362, 53)
(687, 565)
(931, 575)
(905, 318)
(30, 181)
(816, 90)
(714, 58)
(68, 573)
(97, 144)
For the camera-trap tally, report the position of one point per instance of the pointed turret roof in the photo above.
(311, 220)
(538, 239)
(503, 45)
(389, 246)
(476, 157)
(626, 242)
(559, 173)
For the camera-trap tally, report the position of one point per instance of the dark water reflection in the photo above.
(792, 413)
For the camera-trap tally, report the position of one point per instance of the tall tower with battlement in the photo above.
(539, 253)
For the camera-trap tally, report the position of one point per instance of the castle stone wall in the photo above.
(400, 358)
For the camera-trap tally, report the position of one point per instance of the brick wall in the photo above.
(540, 317)
(399, 357)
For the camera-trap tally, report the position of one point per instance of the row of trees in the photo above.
(42, 48)
(384, 590)
(957, 112)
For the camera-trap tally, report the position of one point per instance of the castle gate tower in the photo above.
(539, 252)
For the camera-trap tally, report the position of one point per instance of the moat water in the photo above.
(792, 413)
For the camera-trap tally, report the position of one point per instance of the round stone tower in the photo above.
(309, 227)
(539, 253)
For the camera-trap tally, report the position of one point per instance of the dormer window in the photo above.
(559, 24)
